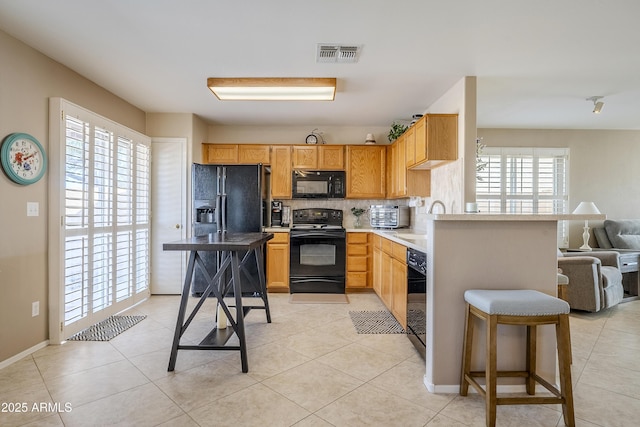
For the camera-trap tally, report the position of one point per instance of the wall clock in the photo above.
(23, 158)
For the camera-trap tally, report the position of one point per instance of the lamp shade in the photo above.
(586, 208)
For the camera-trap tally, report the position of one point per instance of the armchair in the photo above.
(595, 279)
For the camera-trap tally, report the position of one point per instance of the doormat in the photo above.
(318, 299)
(375, 322)
(107, 329)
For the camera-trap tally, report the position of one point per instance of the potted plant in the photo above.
(357, 212)
(396, 130)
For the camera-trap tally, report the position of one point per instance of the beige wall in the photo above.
(27, 80)
(603, 168)
(295, 134)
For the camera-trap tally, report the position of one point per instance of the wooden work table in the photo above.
(231, 247)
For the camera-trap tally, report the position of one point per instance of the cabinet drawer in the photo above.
(357, 280)
(399, 252)
(357, 238)
(357, 263)
(279, 238)
(387, 246)
(357, 249)
(628, 263)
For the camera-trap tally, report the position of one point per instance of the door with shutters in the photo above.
(169, 219)
(100, 206)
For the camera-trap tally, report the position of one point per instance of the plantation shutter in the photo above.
(525, 181)
(105, 218)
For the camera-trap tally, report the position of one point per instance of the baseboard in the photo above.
(23, 354)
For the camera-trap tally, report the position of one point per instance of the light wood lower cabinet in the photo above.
(399, 291)
(359, 260)
(390, 276)
(278, 263)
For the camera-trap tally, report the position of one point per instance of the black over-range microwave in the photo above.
(318, 184)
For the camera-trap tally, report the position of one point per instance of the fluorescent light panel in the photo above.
(273, 89)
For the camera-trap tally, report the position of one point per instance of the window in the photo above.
(103, 189)
(525, 181)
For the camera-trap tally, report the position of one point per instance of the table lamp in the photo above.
(586, 208)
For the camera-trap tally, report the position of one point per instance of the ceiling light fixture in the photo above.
(273, 89)
(597, 105)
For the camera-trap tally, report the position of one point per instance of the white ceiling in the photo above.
(536, 61)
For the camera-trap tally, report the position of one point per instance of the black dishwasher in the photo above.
(417, 299)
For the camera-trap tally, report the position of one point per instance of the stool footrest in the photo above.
(529, 400)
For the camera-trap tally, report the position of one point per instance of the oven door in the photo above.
(317, 261)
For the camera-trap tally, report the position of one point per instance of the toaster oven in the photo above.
(388, 216)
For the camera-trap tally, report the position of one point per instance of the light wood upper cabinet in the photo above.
(254, 153)
(320, 157)
(331, 157)
(281, 171)
(305, 157)
(366, 172)
(234, 154)
(435, 139)
(220, 153)
(402, 182)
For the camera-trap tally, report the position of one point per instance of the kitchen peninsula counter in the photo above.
(482, 251)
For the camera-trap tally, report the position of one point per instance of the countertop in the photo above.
(513, 217)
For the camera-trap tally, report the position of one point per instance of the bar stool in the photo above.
(517, 307)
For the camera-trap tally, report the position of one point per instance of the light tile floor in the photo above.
(308, 368)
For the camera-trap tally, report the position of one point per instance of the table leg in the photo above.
(237, 290)
(182, 310)
(263, 282)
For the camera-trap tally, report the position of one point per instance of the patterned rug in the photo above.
(107, 329)
(375, 322)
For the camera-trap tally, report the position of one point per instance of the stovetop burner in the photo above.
(317, 219)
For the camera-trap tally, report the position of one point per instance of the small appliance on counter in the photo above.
(389, 216)
(276, 213)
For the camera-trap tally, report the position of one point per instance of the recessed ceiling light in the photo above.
(273, 89)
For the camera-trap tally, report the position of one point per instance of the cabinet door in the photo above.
(410, 145)
(387, 280)
(436, 140)
(251, 154)
(278, 263)
(399, 291)
(220, 153)
(305, 157)
(331, 157)
(377, 271)
(420, 141)
(366, 172)
(281, 171)
(401, 167)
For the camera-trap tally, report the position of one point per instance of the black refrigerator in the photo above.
(228, 198)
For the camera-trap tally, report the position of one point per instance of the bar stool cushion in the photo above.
(521, 302)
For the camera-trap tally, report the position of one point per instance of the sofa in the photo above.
(620, 234)
(595, 279)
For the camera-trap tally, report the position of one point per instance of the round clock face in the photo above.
(23, 158)
(312, 139)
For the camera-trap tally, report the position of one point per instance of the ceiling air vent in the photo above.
(337, 53)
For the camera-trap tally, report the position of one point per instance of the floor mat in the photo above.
(107, 329)
(375, 322)
(318, 299)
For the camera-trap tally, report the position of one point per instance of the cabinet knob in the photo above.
(177, 225)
